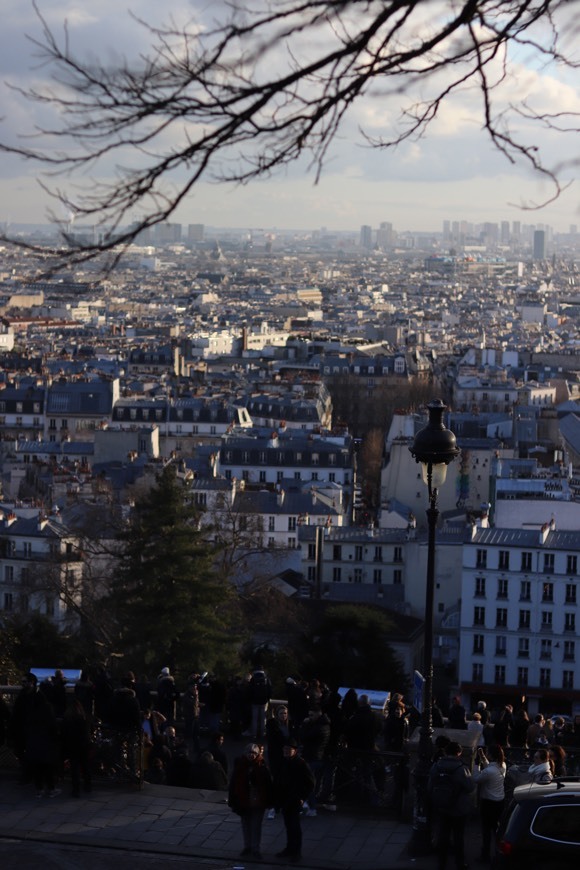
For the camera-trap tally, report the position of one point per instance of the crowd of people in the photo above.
(289, 766)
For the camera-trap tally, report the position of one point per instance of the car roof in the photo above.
(563, 788)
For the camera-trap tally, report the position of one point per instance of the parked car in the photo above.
(541, 827)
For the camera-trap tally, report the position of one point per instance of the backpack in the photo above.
(444, 788)
(259, 688)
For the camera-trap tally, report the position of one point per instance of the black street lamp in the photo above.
(434, 447)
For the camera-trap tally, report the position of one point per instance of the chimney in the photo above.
(280, 497)
(544, 531)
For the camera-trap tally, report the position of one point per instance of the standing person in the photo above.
(475, 726)
(314, 737)
(277, 733)
(190, 710)
(35, 730)
(489, 773)
(259, 692)
(542, 767)
(449, 785)
(293, 782)
(76, 744)
(250, 793)
(166, 695)
(456, 717)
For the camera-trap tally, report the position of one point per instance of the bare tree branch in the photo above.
(271, 82)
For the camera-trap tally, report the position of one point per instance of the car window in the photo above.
(558, 822)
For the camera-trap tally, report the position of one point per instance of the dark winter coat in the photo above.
(362, 729)
(462, 778)
(293, 783)
(314, 737)
(250, 785)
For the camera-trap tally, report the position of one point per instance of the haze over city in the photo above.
(452, 173)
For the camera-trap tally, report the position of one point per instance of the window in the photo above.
(501, 617)
(311, 575)
(526, 562)
(502, 588)
(8, 574)
(504, 560)
(272, 543)
(548, 592)
(545, 678)
(378, 557)
(546, 620)
(525, 590)
(548, 563)
(479, 587)
(522, 676)
(481, 559)
(314, 475)
(311, 551)
(477, 672)
(398, 554)
(570, 622)
(358, 553)
(572, 565)
(479, 615)
(546, 649)
(524, 619)
(262, 477)
(272, 528)
(397, 577)
(358, 575)
(570, 593)
(279, 476)
(500, 645)
(245, 474)
(569, 651)
(523, 648)
(337, 553)
(291, 543)
(567, 679)
(377, 576)
(8, 601)
(499, 673)
(291, 524)
(315, 459)
(478, 644)
(27, 549)
(336, 575)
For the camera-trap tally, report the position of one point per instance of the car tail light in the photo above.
(505, 847)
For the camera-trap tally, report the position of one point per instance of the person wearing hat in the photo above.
(293, 782)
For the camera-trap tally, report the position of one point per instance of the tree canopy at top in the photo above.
(241, 91)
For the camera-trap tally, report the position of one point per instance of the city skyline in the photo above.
(451, 174)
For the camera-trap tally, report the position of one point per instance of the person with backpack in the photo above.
(450, 783)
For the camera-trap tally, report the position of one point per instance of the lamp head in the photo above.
(434, 446)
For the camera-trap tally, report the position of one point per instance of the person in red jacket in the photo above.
(250, 793)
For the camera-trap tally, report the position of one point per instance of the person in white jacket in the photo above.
(542, 768)
(489, 773)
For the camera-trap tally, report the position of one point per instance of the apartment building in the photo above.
(519, 617)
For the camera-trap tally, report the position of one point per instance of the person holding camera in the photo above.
(489, 773)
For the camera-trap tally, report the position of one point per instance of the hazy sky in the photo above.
(452, 174)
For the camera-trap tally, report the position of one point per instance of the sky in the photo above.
(452, 173)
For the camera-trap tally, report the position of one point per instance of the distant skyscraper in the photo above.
(385, 236)
(539, 245)
(366, 236)
(167, 233)
(505, 232)
(195, 232)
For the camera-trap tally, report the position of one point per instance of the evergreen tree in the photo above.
(171, 606)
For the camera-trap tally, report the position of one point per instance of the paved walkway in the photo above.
(195, 823)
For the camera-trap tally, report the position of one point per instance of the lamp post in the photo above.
(434, 447)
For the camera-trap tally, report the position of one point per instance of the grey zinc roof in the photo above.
(570, 431)
(80, 398)
(555, 540)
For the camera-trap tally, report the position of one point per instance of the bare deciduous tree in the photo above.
(238, 98)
